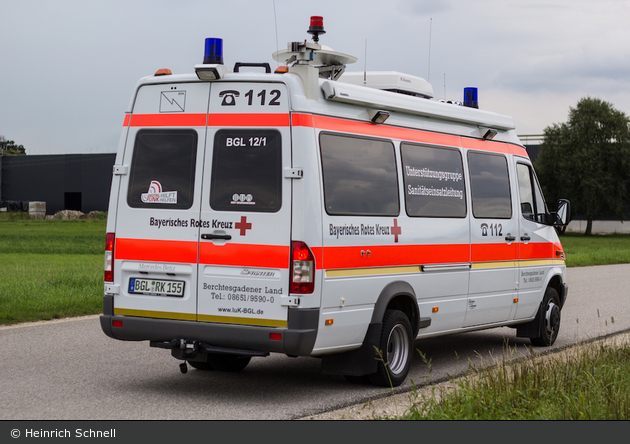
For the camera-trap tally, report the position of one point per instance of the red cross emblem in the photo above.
(243, 225)
(396, 230)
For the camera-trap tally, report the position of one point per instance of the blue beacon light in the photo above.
(213, 53)
(471, 98)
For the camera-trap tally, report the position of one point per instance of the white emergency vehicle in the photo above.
(314, 212)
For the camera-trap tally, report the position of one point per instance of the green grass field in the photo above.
(582, 251)
(50, 269)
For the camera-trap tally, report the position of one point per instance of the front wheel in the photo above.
(549, 319)
(395, 350)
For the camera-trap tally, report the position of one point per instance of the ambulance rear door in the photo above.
(245, 220)
(156, 240)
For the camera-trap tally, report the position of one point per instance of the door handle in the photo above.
(510, 238)
(525, 238)
(216, 236)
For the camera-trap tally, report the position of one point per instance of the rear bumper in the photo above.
(298, 338)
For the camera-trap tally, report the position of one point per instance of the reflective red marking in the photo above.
(412, 135)
(245, 255)
(156, 250)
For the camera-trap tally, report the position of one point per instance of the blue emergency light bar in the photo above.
(213, 53)
(471, 97)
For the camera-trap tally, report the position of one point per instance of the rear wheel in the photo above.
(395, 350)
(228, 363)
(549, 319)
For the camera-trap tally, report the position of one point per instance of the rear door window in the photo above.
(162, 173)
(247, 171)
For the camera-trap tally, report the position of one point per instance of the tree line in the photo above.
(587, 160)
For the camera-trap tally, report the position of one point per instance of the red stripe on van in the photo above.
(156, 250)
(412, 135)
(369, 129)
(392, 256)
(245, 255)
(494, 252)
(485, 145)
(274, 120)
(538, 251)
(168, 119)
(127, 119)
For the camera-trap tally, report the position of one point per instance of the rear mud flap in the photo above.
(359, 362)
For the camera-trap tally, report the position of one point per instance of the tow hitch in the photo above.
(196, 351)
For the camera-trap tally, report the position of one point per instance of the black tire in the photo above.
(548, 319)
(228, 363)
(201, 365)
(395, 350)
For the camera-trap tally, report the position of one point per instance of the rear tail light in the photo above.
(109, 257)
(302, 268)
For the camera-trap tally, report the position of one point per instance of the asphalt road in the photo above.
(69, 370)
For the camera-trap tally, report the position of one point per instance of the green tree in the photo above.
(9, 147)
(587, 160)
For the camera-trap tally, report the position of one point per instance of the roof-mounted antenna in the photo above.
(365, 65)
(275, 18)
(429, 69)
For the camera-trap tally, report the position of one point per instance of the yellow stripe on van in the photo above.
(155, 314)
(500, 264)
(376, 271)
(243, 321)
(537, 262)
(512, 264)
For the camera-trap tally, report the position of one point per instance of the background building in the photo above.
(64, 182)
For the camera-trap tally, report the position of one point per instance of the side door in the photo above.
(494, 245)
(156, 241)
(536, 251)
(245, 220)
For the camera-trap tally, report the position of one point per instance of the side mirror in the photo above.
(562, 217)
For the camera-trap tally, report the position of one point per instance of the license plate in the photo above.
(156, 287)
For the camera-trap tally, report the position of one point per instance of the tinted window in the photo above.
(434, 181)
(359, 176)
(247, 171)
(162, 173)
(490, 186)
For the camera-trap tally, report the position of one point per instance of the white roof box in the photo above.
(390, 81)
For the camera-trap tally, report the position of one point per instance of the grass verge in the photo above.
(589, 382)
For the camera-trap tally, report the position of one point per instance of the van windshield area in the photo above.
(246, 171)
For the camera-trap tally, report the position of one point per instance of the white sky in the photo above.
(68, 67)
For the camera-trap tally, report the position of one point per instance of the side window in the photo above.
(490, 186)
(532, 203)
(359, 176)
(247, 171)
(162, 173)
(434, 181)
